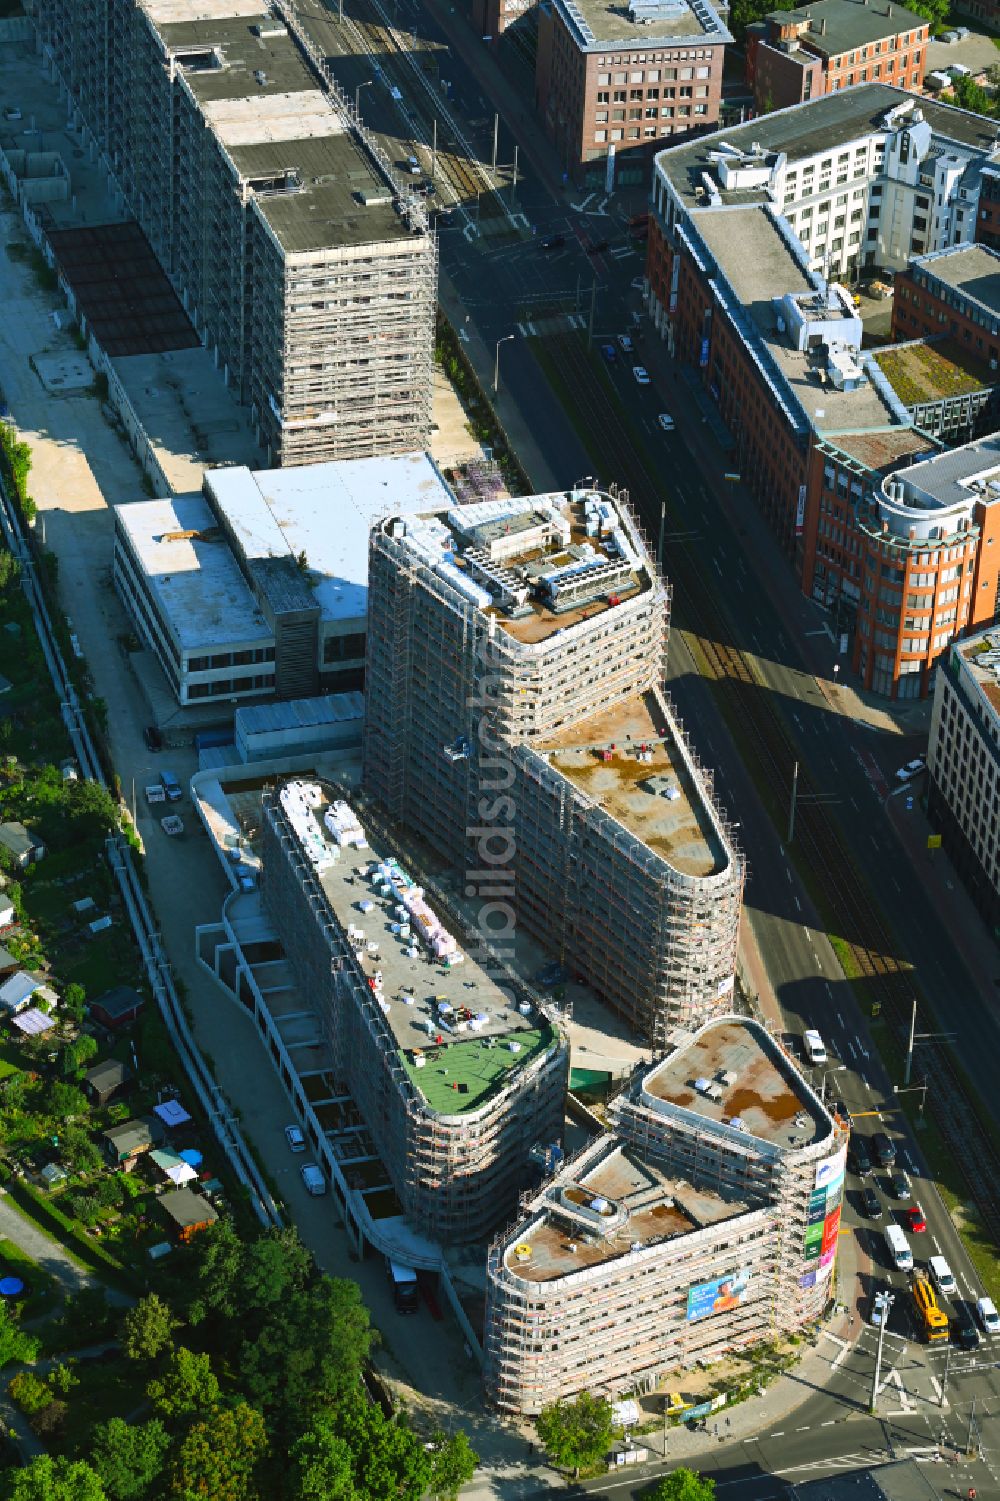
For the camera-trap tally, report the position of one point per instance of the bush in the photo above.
(29, 1392)
(50, 1420)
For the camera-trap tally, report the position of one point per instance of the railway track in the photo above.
(770, 754)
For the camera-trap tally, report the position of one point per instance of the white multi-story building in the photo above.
(706, 1223)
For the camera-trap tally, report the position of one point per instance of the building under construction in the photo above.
(301, 262)
(515, 720)
(456, 1073)
(706, 1223)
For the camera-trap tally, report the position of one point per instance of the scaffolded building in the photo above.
(456, 1073)
(707, 1222)
(515, 719)
(301, 263)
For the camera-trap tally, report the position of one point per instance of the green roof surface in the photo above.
(475, 1064)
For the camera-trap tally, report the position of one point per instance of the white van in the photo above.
(987, 1315)
(899, 1248)
(942, 1276)
(312, 1177)
(814, 1046)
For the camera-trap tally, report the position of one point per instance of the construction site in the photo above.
(706, 1222)
(306, 269)
(455, 1072)
(516, 721)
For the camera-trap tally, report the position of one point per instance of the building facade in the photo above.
(746, 233)
(613, 82)
(515, 720)
(963, 762)
(954, 292)
(301, 266)
(454, 1099)
(706, 1223)
(796, 55)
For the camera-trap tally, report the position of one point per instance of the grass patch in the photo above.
(50, 1219)
(44, 1291)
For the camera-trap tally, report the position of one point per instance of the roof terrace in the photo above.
(622, 1203)
(731, 1071)
(628, 762)
(459, 1034)
(537, 563)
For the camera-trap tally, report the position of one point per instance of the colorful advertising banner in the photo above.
(813, 1242)
(831, 1229)
(831, 1168)
(808, 1279)
(716, 1297)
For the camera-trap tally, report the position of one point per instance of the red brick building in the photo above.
(617, 81)
(795, 55)
(954, 292)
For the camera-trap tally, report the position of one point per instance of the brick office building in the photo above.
(743, 239)
(954, 292)
(616, 81)
(795, 55)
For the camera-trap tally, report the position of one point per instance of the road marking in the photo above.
(797, 902)
(830, 1423)
(780, 1433)
(839, 1357)
(803, 1429)
(851, 1047)
(788, 874)
(840, 1020)
(935, 1383)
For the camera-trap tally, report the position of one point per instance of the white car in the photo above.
(666, 422)
(295, 1138)
(878, 1310)
(911, 769)
(988, 1316)
(641, 375)
(625, 344)
(942, 1276)
(814, 1046)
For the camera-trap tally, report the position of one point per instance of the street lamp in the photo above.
(839, 1068)
(883, 1302)
(496, 363)
(357, 93)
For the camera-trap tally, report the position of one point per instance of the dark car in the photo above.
(428, 189)
(884, 1148)
(899, 1183)
(597, 248)
(153, 738)
(871, 1203)
(963, 1329)
(858, 1158)
(553, 242)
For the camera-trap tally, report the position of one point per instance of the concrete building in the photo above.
(515, 720)
(258, 586)
(303, 266)
(795, 55)
(455, 1072)
(954, 292)
(612, 81)
(745, 235)
(963, 761)
(705, 1222)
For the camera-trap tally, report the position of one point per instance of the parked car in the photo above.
(899, 1184)
(641, 375)
(871, 1203)
(153, 738)
(171, 786)
(295, 1138)
(312, 1177)
(911, 769)
(884, 1149)
(625, 344)
(915, 1219)
(666, 422)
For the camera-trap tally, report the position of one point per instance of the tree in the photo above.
(63, 1101)
(87, 1317)
(129, 1458)
(77, 1151)
(218, 1456)
(311, 1351)
(453, 1464)
(74, 1001)
(683, 1484)
(78, 1053)
(969, 95)
(147, 1328)
(47, 1479)
(275, 1265)
(577, 1433)
(186, 1385)
(218, 1259)
(16, 1347)
(29, 1392)
(322, 1464)
(390, 1463)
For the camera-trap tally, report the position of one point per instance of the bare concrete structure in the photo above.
(456, 1074)
(707, 1222)
(301, 265)
(516, 721)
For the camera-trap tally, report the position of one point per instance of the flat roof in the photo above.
(881, 452)
(768, 1094)
(462, 1069)
(949, 478)
(599, 23)
(973, 270)
(981, 655)
(848, 23)
(758, 263)
(677, 827)
(922, 371)
(657, 1205)
(324, 512)
(191, 572)
(812, 128)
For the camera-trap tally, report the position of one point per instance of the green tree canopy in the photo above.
(87, 1317)
(453, 1464)
(311, 1351)
(16, 1347)
(147, 1328)
(61, 1101)
(576, 1434)
(129, 1458)
(218, 1456)
(683, 1484)
(48, 1479)
(322, 1463)
(186, 1385)
(387, 1461)
(245, 1280)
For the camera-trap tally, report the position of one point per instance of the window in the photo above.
(602, 98)
(603, 78)
(619, 96)
(600, 136)
(635, 77)
(635, 93)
